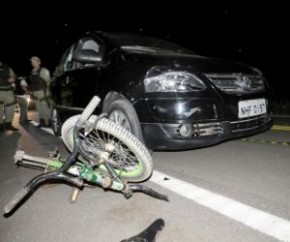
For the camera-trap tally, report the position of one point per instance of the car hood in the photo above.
(187, 62)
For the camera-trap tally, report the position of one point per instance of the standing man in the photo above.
(7, 99)
(38, 83)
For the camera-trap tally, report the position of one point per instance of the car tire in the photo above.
(123, 113)
(55, 122)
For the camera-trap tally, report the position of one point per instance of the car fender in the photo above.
(111, 97)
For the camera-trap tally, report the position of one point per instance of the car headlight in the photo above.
(173, 82)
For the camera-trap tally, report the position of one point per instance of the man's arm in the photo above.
(24, 86)
(45, 75)
(12, 76)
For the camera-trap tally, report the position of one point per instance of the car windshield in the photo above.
(144, 43)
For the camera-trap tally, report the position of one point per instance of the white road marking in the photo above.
(266, 223)
(48, 130)
(34, 123)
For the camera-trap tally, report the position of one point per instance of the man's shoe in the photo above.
(44, 123)
(8, 126)
(25, 122)
(41, 123)
(49, 123)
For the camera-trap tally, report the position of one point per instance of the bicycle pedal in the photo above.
(74, 195)
(54, 154)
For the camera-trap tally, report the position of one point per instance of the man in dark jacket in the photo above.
(7, 99)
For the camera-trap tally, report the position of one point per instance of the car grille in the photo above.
(248, 124)
(207, 129)
(198, 129)
(237, 83)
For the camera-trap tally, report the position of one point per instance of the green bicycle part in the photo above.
(88, 174)
(54, 164)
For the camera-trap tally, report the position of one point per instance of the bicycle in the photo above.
(103, 154)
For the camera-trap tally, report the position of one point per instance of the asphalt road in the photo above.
(235, 191)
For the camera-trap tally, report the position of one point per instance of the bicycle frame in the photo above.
(74, 171)
(78, 169)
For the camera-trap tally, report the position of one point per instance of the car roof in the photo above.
(119, 39)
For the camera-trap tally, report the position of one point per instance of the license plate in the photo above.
(251, 108)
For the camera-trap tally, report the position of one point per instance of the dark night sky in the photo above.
(251, 33)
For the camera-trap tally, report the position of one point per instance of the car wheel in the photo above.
(122, 112)
(55, 122)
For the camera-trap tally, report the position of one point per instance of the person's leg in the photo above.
(9, 110)
(2, 101)
(36, 101)
(23, 109)
(42, 106)
(46, 112)
(1, 116)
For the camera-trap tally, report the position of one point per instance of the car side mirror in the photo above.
(87, 56)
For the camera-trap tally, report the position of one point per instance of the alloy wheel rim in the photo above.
(54, 120)
(120, 118)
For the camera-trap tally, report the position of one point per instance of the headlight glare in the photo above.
(173, 82)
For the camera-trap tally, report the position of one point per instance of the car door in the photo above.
(85, 80)
(61, 90)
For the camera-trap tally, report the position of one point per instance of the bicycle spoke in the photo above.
(121, 158)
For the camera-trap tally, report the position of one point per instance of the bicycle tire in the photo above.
(140, 165)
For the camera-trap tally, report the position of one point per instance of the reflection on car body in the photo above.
(168, 96)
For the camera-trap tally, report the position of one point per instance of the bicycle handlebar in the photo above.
(89, 109)
(16, 199)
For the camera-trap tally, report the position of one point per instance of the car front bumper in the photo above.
(160, 136)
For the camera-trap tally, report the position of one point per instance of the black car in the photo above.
(169, 97)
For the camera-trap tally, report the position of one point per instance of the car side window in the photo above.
(68, 62)
(90, 45)
(62, 66)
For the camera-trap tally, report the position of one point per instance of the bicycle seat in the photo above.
(149, 234)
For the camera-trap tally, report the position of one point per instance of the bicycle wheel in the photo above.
(128, 156)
